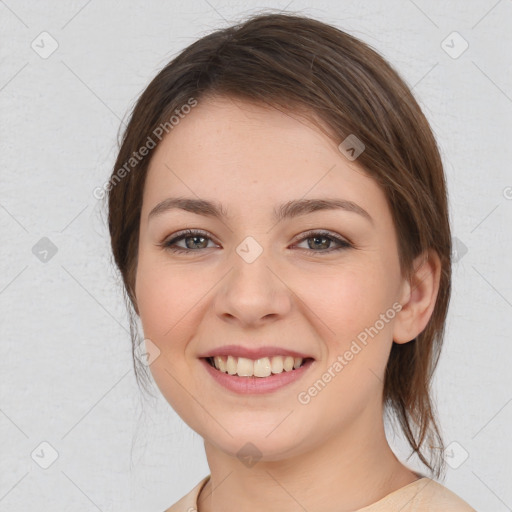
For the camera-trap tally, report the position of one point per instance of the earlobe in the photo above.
(419, 294)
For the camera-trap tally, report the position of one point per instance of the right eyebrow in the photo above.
(198, 206)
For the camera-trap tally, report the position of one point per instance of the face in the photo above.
(323, 283)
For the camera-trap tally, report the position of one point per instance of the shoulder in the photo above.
(439, 497)
(189, 502)
(423, 495)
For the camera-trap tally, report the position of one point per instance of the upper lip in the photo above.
(253, 352)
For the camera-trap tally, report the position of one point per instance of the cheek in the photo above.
(155, 297)
(165, 297)
(163, 307)
(349, 298)
(355, 302)
(355, 312)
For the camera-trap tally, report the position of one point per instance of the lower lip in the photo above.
(256, 385)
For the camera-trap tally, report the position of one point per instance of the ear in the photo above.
(418, 297)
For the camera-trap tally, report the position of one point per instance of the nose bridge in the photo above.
(251, 290)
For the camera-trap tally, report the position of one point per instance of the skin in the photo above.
(330, 454)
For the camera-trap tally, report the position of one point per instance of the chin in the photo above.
(253, 445)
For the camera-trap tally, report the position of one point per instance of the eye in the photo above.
(196, 240)
(323, 240)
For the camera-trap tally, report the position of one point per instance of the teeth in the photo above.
(231, 365)
(277, 364)
(220, 364)
(263, 367)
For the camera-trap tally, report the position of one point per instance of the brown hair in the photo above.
(299, 64)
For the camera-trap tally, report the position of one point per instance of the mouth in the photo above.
(259, 368)
(256, 376)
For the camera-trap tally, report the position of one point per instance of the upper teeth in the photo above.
(259, 368)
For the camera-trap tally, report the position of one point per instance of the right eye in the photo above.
(196, 237)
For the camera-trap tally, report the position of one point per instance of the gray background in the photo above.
(66, 375)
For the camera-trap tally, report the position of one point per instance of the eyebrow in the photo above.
(287, 210)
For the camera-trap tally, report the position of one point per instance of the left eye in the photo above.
(197, 240)
(320, 239)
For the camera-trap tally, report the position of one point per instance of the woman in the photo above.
(278, 214)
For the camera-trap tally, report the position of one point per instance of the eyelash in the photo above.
(189, 233)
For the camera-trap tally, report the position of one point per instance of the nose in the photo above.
(253, 293)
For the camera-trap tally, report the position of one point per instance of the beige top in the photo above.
(423, 495)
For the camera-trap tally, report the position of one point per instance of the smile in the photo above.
(249, 382)
(262, 367)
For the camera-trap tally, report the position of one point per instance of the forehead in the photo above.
(247, 154)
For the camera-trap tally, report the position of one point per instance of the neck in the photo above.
(348, 471)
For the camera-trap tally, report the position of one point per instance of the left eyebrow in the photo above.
(287, 210)
(304, 206)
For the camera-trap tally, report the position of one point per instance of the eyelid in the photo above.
(185, 233)
(324, 232)
(343, 242)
